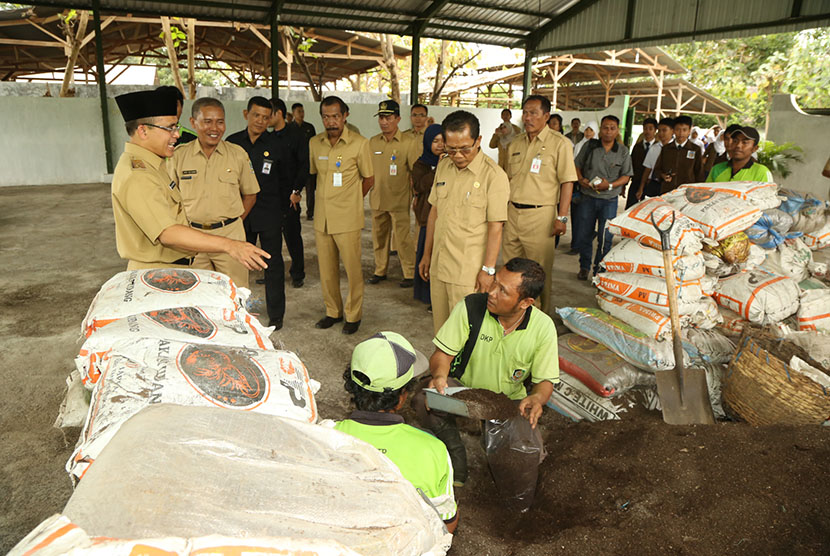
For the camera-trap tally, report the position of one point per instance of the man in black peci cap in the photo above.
(151, 230)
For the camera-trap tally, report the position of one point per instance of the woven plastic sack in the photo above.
(144, 372)
(635, 223)
(207, 325)
(630, 256)
(138, 291)
(189, 472)
(815, 342)
(597, 367)
(818, 239)
(792, 259)
(764, 195)
(639, 349)
(719, 215)
(811, 217)
(58, 536)
(650, 291)
(654, 323)
(712, 346)
(814, 310)
(771, 229)
(758, 296)
(575, 400)
(732, 324)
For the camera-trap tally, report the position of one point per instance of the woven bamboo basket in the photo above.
(760, 388)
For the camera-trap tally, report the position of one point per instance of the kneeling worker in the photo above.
(515, 342)
(379, 379)
(151, 229)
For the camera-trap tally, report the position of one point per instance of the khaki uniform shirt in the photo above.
(495, 143)
(212, 188)
(145, 203)
(339, 209)
(392, 193)
(556, 166)
(466, 200)
(416, 135)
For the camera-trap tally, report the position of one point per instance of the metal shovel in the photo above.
(683, 393)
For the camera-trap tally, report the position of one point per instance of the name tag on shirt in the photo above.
(266, 167)
(440, 184)
(535, 165)
(690, 154)
(393, 169)
(172, 185)
(322, 158)
(337, 179)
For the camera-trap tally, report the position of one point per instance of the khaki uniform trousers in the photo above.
(139, 265)
(331, 250)
(527, 235)
(222, 262)
(444, 297)
(382, 224)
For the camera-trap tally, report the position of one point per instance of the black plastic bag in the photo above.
(514, 451)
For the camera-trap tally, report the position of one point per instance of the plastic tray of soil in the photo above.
(476, 403)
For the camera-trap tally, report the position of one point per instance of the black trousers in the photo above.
(292, 230)
(271, 241)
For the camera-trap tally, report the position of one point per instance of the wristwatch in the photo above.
(295, 192)
(489, 270)
(563, 219)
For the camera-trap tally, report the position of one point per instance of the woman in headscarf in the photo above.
(423, 174)
(591, 129)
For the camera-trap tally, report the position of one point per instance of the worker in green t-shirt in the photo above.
(516, 345)
(741, 165)
(380, 378)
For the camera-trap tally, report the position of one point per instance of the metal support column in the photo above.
(275, 56)
(527, 78)
(416, 67)
(102, 82)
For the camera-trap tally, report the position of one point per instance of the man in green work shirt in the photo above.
(379, 378)
(741, 166)
(516, 342)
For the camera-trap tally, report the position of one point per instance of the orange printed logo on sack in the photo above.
(147, 550)
(695, 195)
(189, 320)
(225, 376)
(173, 280)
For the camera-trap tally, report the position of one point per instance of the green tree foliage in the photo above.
(778, 158)
(747, 72)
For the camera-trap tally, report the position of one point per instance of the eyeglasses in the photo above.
(463, 150)
(171, 130)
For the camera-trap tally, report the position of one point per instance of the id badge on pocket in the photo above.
(266, 167)
(690, 154)
(536, 165)
(393, 169)
(337, 178)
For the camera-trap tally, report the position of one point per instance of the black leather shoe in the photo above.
(351, 327)
(583, 274)
(260, 280)
(375, 279)
(297, 283)
(406, 283)
(310, 217)
(276, 323)
(327, 322)
(393, 253)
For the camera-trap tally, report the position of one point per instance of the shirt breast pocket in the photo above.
(519, 370)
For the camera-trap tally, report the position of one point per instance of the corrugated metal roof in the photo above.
(543, 26)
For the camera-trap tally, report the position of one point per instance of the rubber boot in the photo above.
(447, 432)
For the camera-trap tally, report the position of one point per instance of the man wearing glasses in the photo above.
(469, 208)
(418, 115)
(151, 229)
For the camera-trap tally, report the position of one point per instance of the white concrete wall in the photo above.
(812, 133)
(48, 140)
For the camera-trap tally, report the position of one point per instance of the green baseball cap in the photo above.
(386, 359)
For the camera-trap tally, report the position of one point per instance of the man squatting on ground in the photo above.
(217, 184)
(151, 229)
(469, 207)
(517, 343)
(380, 378)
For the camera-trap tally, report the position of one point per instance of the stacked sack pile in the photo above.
(739, 255)
(201, 437)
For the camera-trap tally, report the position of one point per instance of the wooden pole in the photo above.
(171, 52)
(191, 55)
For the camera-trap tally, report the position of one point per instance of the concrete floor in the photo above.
(57, 247)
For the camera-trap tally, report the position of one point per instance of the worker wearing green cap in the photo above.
(380, 378)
